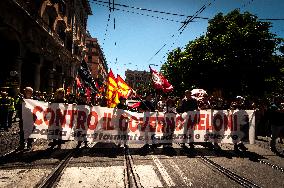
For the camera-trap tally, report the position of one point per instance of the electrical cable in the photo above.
(106, 28)
(185, 23)
(132, 12)
(150, 10)
(188, 20)
(157, 17)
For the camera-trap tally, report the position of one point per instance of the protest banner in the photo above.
(101, 124)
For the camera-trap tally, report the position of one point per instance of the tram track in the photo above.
(261, 161)
(244, 182)
(8, 154)
(131, 179)
(56, 173)
(230, 174)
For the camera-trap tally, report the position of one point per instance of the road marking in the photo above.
(112, 176)
(186, 181)
(163, 171)
(147, 176)
(22, 177)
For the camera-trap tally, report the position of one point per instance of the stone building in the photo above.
(96, 61)
(42, 42)
(137, 79)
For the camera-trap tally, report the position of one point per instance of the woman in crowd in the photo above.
(59, 97)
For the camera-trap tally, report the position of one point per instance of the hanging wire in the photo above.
(132, 12)
(197, 17)
(182, 28)
(109, 6)
(150, 10)
(184, 23)
(106, 28)
(156, 53)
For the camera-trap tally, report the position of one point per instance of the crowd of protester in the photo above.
(269, 111)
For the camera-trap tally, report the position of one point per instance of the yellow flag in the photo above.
(112, 93)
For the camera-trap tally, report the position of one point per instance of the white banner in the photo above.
(101, 124)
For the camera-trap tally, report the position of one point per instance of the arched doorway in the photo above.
(10, 53)
(60, 30)
(29, 69)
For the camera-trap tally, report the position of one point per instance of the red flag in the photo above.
(160, 82)
(79, 84)
(88, 94)
(135, 105)
(68, 91)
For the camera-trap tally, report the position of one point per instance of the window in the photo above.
(61, 32)
(62, 8)
(69, 17)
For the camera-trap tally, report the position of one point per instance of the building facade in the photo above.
(42, 42)
(96, 61)
(137, 79)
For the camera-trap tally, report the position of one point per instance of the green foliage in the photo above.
(236, 55)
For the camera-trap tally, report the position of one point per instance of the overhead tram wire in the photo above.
(150, 10)
(156, 53)
(132, 12)
(114, 30)
(243, 6)
(158, 17)
(271, 19)
(187, 21)
(106, 30)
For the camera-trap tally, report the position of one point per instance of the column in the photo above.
(51, 78)
(37, 74)
(16, 75)
(18, 68)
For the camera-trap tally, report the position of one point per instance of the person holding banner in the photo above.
(188, 103)
(169, 111)
(28, 94)
(122, 105)
(162, 103)
(59, 97)
(147, 106)
(82, 101)
(239, 106)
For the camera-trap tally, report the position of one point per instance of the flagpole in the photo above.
(156, 98)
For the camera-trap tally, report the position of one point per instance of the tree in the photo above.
(236, 55)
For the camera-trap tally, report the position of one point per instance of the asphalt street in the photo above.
(105, 165)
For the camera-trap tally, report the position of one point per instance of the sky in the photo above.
(132, 37)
